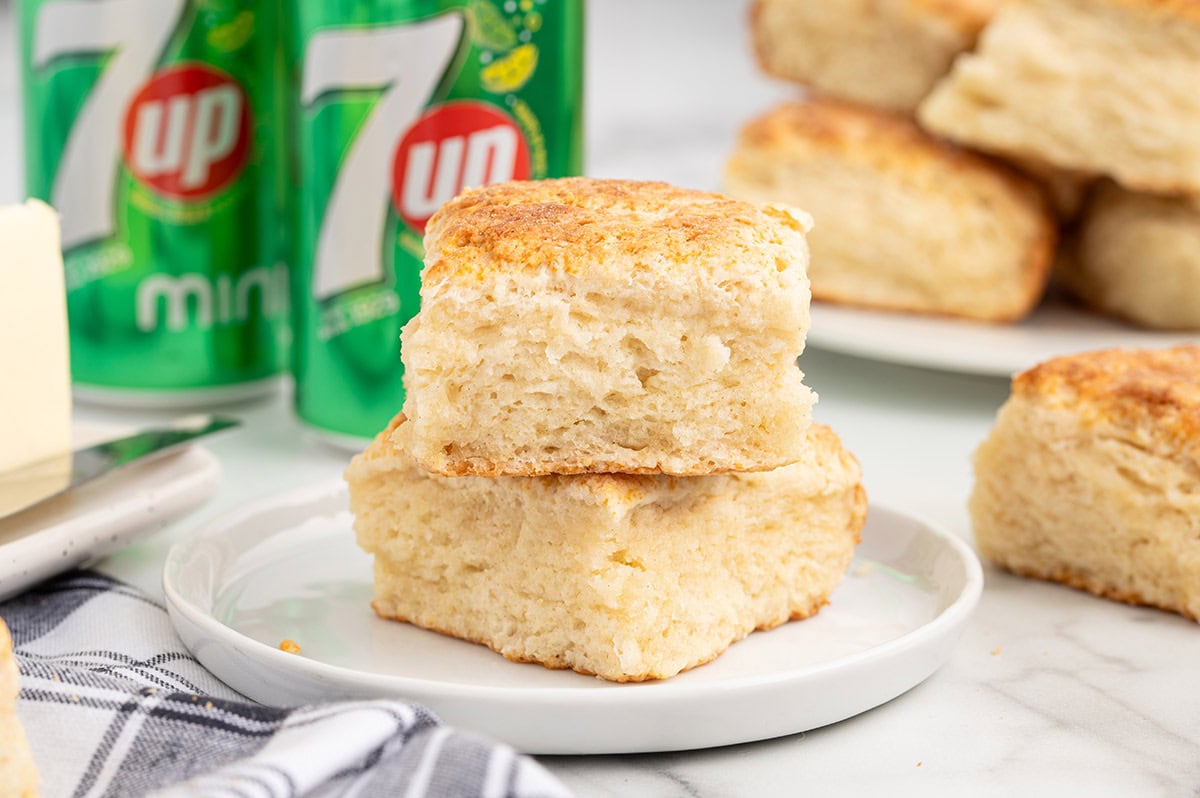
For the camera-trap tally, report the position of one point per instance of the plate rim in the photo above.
(953, 616)
(938, 360)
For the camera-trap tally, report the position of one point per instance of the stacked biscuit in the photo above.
(605, 459)
(950, 139)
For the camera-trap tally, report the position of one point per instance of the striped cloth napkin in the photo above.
(115, 706)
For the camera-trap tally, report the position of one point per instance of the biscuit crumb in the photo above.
(996, 651)
(920, 762)
(208, 705)
(289, 645)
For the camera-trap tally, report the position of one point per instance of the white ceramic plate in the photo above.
(289, 568)
(103, 516)
(1056, 328)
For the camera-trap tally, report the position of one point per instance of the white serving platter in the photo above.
(1055, 328)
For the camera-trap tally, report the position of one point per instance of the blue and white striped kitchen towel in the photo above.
(115, 706)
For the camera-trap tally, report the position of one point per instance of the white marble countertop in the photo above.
(1049, 692)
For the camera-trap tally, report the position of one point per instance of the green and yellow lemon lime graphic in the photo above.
(490, 30)
(233, 34)
(510, 72)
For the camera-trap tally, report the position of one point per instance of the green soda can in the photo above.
(397, 106)
(151, 126)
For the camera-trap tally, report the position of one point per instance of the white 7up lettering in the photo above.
(490, 157)
(406, 62)
(132, 33)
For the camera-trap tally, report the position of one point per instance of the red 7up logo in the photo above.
(455, 146)
(187, 132)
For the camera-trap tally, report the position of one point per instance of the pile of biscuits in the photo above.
(954, 154)
(605, 460)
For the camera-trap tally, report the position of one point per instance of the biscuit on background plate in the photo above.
(886, 53)
(1091, 477)
(1137, 256)
(1094, 86)
(1066, 191)
(589, 326)
(902, 221)
(622, 576)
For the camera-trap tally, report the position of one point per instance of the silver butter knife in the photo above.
(22, 488)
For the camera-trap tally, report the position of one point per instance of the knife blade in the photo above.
(24, 487)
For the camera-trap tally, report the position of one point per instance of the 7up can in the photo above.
(397, 106)
(149, 126)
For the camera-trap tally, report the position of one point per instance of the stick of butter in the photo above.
(35, 373)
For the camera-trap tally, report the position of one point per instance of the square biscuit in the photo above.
(1104, 87)
(886, 53)
(1091, 477)
(591, 326)
(628, 577)
(902, 221)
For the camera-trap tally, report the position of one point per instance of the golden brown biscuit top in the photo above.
(1170, 9)
(1165, 10)
(883, 139)
(885, 142)
(827, 123)
(579, 224)
(1125, 387)
(966, 16)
